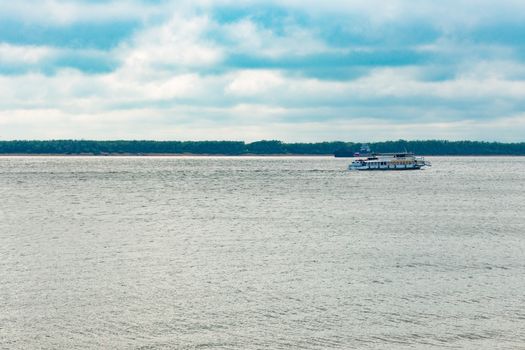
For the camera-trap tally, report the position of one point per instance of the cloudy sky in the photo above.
(294, 70)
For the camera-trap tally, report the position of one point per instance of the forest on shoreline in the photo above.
(265, 147)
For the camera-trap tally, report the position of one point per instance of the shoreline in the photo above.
(182, 155)
(159, 155)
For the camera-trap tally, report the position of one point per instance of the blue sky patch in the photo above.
(102, 36)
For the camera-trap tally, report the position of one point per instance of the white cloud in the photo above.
(249, 98)
(254, 82)
(174, 81)
(60, 12)
(175, 44)
(293, 40)
(24, 54)
(446, 13)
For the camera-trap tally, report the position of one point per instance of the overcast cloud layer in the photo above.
(245, 70)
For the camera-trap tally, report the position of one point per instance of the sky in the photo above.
(292, 70)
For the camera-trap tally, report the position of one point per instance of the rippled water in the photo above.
(252, 253)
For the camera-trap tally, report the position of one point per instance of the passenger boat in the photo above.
(390, 161)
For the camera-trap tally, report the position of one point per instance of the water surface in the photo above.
(252, 253)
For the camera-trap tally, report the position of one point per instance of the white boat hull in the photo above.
(382, 162)
(384, 168)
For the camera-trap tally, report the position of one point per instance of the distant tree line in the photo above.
(338, 148)
(440, 147)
